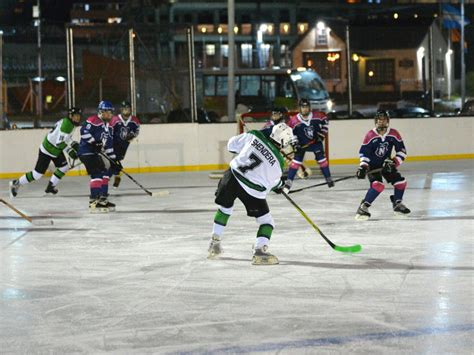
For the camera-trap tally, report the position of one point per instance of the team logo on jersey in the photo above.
(124, 133)
(309, 132)
(382, 150)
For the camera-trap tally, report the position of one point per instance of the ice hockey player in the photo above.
(375, 153)
(96, 143)
(310, 129)
(125, 128)
(279, 115)
(253, 173)
(56, 142)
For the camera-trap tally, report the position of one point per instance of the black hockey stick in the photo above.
(337, 180)
(150, 193)
(350, 249)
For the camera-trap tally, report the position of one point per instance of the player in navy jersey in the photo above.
(310, 129)
(96, 139)
(125, 128)
(375, 153)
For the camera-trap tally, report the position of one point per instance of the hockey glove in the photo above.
(129, 137)
(388, 166)
(281, 186)
(295, 143)
(73, 149)
(98, 147)
(361, 172)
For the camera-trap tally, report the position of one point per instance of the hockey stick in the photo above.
(337, 180)
(24, 216)
(305, 172)
(150, 193)
(350, 249)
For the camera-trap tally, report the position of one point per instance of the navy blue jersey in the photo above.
(93, 132)
(310, 132)
(376, 148)
(123, 132)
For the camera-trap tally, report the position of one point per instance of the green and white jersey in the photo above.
(58, 138)
(258, 165)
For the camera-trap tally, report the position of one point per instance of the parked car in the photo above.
(467, 109)
(411, 112)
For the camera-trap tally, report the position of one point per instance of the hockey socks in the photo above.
(220, 220)
(95, 186)
(399, 190)
(29, 177)
(104, 188)
(58, 174)
(376, 187)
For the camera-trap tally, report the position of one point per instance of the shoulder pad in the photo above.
(369, 136)
(95, 120)
(394, 133)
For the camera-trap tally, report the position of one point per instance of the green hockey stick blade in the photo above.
(352, 249)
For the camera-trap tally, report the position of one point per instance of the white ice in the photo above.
(138, 281)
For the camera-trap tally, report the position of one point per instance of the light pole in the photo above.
(37, 17)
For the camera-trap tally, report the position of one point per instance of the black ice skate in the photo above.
(215, 248)
(262, 257)
(117, 180)
(330, 182)
(50, 189)
(363, 213)
(14, 186)
(106, 202)
(398, 207)
(98, 206)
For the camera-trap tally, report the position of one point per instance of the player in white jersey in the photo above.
(58, 140)
(253, 173)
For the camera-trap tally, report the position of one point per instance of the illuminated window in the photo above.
(210, 49)
(380, 71)
(284, 28)
(302, 27)
(327, 64)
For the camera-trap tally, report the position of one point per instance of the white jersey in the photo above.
(258, 166)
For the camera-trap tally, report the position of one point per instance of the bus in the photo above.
(259, 89)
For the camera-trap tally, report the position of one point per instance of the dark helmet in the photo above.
(304, 102)
(74, 111)
(280, 109)
(381, 114)
(125, 104)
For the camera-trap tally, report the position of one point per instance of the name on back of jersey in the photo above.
(267, 154)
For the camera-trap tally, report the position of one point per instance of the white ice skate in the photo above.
(262, 257)
(215, 248)
(363, 213)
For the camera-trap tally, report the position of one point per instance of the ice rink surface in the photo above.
(138, 281)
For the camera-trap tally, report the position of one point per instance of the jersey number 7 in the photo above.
(255, 161)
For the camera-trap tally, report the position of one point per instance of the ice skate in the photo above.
(215, 248)
(363, 213)
(97, 206)
(14, 186)
(287, 187)
(262, 257)
(108, 204)
(399, 208)
(330, 182)
(117, 181)
(50, 189)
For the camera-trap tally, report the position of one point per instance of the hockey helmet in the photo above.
(282, 134)
(125, 104)
(279, 109)
(304, 102)
(382, 115)
(74, 111)
(105, 106)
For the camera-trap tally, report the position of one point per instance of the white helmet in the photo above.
(282, 134)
